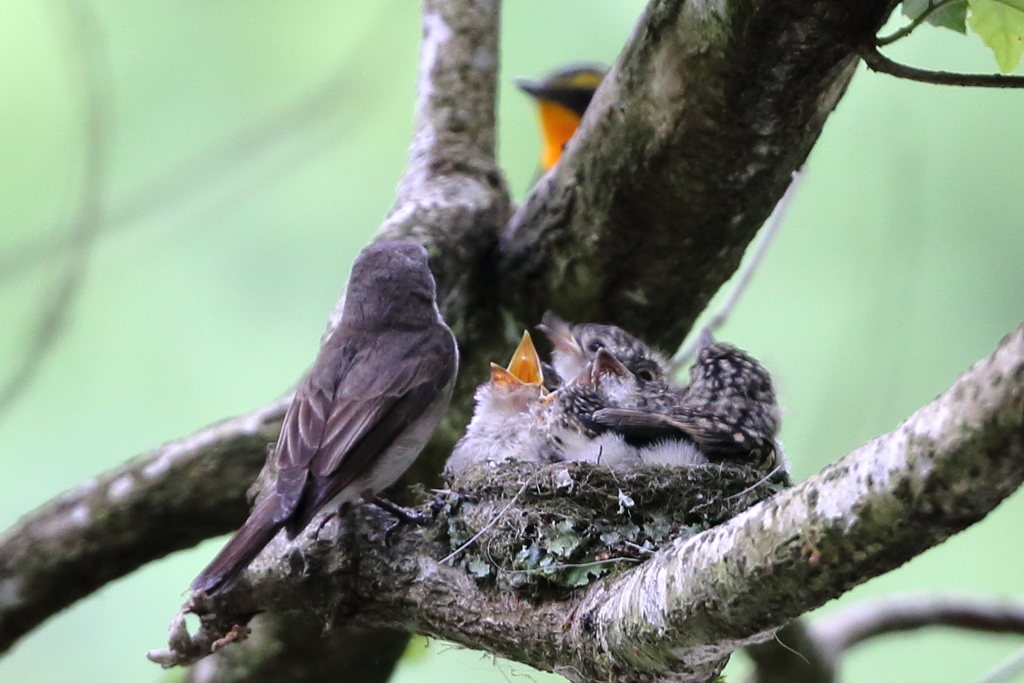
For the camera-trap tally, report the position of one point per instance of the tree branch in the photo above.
(288, 648)
(876, 61)
(687, 146)
(812, 655)
(901, 33)
(168, 499)
(697, 599)
(453, 197)
(837, 633)
(85, 40)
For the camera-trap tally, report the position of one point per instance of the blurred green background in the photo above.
(254, 148)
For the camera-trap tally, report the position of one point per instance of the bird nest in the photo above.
(532, 527)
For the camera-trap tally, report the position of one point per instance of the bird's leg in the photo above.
(402, 515)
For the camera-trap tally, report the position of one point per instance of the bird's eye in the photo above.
(645, 375)
(595, 346)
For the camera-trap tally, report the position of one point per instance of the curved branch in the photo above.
(696, 600)
(168, 499)
(86, 40)
(837, 633)
(287, 648)
(802, 654)
(452, 198)
(932, 8)
(876, 61)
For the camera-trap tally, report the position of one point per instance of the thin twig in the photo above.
(85, 40)
(771, 473)
(876, 61)
(909, 28)
(1006, 670)
(578, 565)
(688, 351)
(248, 152)
(839, 632)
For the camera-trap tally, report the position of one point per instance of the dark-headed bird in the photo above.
(361, 416)
(562, 98)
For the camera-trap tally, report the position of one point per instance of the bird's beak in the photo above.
(606, 365)
(525, 363)
(504, 379)
(531, 87)
(560, 334)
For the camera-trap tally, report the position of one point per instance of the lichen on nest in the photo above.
(541, 527)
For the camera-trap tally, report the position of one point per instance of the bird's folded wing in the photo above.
(339, 423)
(640, 424)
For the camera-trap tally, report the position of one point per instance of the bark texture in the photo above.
(168, 499)
(691, 140)
(688, 145)
(683, 611)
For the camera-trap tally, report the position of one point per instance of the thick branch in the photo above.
(689, 143)
(168, 499)
(289, 648)
(452, 197)
(942, 470)
(697, 600)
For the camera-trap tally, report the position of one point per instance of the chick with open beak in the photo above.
(504, 420)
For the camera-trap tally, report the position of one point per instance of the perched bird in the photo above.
(728, 410)
(576, 346)
(505, 419)
(562, 98)
(378, 388)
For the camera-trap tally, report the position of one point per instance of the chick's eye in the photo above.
(595, 346)
(645, 375)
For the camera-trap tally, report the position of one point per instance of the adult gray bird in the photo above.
(365, 410)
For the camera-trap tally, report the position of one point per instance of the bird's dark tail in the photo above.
(242, 549)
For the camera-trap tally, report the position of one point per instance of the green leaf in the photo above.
(479, 568)
(1000, 23)
(952, 16)
(581, 576)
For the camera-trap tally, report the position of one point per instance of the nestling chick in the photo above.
(504, 423)
(728, 410)
(576, 347)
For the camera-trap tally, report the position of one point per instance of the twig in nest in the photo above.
(491, 523)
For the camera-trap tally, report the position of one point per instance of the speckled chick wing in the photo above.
(728, 410)
(730, 405)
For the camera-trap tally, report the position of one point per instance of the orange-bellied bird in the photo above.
(562, 98)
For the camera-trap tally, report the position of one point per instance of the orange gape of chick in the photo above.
(562, 98)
